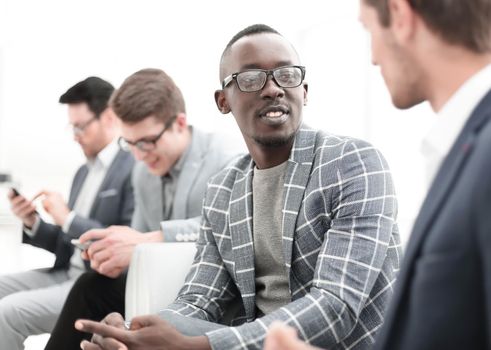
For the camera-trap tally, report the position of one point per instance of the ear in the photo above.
(305, 89)
(403, 20)
(108, 117)
(221, 102)
(181, 121)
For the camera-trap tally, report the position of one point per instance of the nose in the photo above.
(138, 154)
(272, 90)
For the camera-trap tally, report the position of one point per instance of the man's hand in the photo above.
(98, 342)
(23, 208)
(55, 206)
(110, 253)
(281, 337)
(146, 333)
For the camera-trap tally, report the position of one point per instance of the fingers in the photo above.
(104, 330)
(100, 343)
(114, 319)
(145, 321)
(41, 193)
(99, 258)
(85, 345)
(95, 234)
(111, 273)
(22, 208)
(282, 337)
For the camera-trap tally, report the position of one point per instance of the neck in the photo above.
(446, 75)
(268, 157)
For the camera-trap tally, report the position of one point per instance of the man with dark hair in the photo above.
(301, 230)
(176, 161)
(439, 51)
(101, 195)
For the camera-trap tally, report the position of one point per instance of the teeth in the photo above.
(274, 114)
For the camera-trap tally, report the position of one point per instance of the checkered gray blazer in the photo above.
(340, 243)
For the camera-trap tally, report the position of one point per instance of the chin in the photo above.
(274, 141)
(406, 102)
(155, 171)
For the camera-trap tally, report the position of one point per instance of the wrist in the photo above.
(153, 237)
(30, 221)
(62, 218)
(196, 343)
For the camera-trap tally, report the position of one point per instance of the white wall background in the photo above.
(47, 46)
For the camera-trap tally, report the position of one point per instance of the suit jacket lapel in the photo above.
(296, 179)
(111, 174)
(189, 172)
(77, 185)
(446, 177)
(242, 241)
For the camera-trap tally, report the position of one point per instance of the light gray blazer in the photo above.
(208, 154)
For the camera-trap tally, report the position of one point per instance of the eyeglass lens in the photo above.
(254, 80)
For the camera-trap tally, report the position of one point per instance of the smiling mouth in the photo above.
(274, 116)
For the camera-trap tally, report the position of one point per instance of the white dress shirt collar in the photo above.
(452, 118)
(106, 156)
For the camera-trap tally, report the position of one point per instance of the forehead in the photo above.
(149, 126)
(368, 15)
(265, 51)
(79, 112)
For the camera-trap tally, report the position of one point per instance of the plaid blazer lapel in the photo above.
(297, 177)
(242, 240)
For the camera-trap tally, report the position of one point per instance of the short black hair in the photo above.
(94, 91)
(251, 30)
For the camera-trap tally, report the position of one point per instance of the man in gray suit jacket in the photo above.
(101, 195)
(301, 230)
(176, 162)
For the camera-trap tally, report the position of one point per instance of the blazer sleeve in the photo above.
(208, 287)
(181, 230)
(46, 236)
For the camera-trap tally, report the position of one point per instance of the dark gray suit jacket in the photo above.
(113, 205)
(442, 298)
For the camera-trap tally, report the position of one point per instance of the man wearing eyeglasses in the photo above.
(300, 230)
(176, 161)
(101, 195)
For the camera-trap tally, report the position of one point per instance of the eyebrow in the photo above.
(256, 66)
(144, 138)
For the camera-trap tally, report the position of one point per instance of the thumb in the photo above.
(94, 234)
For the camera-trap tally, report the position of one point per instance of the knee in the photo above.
(9, 312)
(91, 284)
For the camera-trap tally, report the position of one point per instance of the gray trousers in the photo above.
(30, 303)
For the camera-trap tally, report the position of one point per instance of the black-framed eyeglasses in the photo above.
(80, 128)
(145, 144)
(254, 79)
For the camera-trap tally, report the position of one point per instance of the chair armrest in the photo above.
(155, 276)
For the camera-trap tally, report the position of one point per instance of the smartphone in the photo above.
(80, 245)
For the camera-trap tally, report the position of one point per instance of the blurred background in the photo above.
(47, 46)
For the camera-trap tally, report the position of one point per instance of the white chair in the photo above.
(155, 275)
